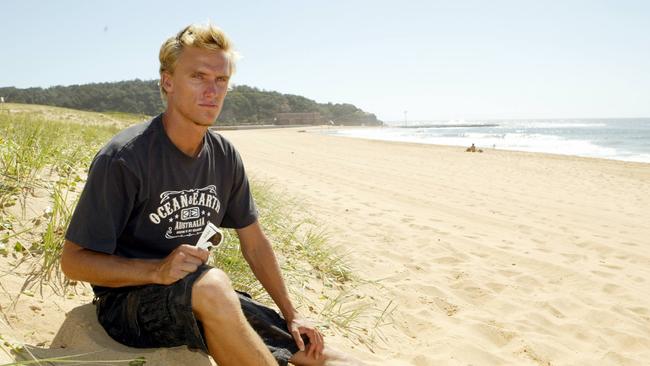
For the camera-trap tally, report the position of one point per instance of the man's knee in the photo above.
(213, 296)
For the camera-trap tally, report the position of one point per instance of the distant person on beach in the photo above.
(150, 193)
(473, 149)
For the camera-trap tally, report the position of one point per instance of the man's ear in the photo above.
(166, 82)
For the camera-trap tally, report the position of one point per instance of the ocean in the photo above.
(619, 139)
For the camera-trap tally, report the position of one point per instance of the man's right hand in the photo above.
(182, 261)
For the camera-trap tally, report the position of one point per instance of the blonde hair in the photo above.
(208, 37)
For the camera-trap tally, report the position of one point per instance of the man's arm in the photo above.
(101, 269)
(257, 251)
(259, 254)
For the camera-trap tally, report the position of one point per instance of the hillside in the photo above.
(243, 105)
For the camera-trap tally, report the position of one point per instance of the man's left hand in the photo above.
(299, 326)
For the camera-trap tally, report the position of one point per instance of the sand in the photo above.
(498, 258)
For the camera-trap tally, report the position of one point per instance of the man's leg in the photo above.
(229, 337)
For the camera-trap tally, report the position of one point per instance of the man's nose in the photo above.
(213, 88)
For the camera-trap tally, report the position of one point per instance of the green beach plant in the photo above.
(74, 360)
(47, 154)
(23, 351)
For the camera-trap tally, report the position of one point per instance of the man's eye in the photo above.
(197, 76)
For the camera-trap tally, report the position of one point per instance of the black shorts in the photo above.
(155, 316)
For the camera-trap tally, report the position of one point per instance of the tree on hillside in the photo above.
(243, 104)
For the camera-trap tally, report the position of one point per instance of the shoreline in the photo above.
(485, 149)
(635, 158)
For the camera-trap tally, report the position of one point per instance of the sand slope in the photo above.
(499, 258)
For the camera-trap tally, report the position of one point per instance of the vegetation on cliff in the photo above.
(243, 105)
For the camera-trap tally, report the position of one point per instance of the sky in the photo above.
(419, 60)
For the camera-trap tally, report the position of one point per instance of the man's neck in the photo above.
(184, 134)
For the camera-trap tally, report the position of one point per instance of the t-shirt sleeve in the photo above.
(104, 206)
(240, 209)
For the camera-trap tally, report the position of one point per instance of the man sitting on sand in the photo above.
(150, 192)
(473, 149)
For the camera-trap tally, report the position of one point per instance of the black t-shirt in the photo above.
(144, 197)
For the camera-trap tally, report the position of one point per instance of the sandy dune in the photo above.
(499, 258)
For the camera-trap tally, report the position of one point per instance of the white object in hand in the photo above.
(210, 237)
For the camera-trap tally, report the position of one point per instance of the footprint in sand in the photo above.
(612, 289)
(553, 311)
(493, 333)
(429, 291)
(611, 266)
(529, 353)
(523, 229)
(447, 307)
(420, 227)
(508, 274)
(480, 255)
(572, 257)
(422, 360)
(447, 260)
(639, 310)
(538, 241)
(474, 292)
(418, 267)
(496, 287)
(637, 279)
(527, 280)
(603, 274)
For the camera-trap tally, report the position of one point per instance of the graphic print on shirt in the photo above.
(186, 212)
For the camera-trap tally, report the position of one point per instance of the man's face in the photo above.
(198, 86)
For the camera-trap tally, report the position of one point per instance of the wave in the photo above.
(558, 125)
(520, 140)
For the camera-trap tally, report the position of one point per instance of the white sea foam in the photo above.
(639, 158)
(544, 124)
(520, 139)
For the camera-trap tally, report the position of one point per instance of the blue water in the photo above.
(619, 139)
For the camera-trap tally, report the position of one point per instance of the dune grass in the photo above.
(50, 155)
(300, 244)
(305, 257)
(38, 152)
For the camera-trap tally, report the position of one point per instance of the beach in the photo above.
(493, 258)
